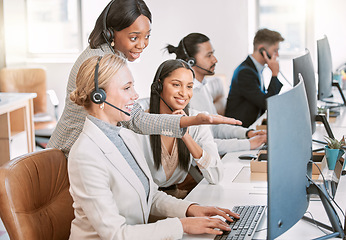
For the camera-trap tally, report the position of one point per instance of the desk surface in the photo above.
(240, 187)
(8, 100)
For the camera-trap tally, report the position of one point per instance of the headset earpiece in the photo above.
(108, 34)
(191, 61)
(98, 96)
(159, 86)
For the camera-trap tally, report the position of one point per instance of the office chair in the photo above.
(35, 202)
(25, 80)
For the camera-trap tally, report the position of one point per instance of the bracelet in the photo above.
(247, 132)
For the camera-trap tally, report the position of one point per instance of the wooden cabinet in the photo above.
(16, 125)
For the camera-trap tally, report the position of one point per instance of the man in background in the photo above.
(247, 96)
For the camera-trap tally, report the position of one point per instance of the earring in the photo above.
(102, 106)
(112, 43)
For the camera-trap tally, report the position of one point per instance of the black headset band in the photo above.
(96, 77)
(184, 49)
(106, 14)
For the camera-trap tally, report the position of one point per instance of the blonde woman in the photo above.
(110, 181)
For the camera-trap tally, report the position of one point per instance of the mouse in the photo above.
(247, 156)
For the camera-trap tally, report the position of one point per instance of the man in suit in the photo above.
(247, 95)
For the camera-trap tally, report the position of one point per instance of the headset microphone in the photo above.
(156, 87)
(117, 108)
(98, 96)
(204, 69)
(170, 108)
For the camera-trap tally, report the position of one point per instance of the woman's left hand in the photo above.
(208, 211)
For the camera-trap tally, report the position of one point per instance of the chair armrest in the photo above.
(54, 100)
(53, 97)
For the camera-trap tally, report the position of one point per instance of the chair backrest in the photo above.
(26, 80)
(35, 202)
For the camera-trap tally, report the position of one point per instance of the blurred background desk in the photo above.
(16, 125)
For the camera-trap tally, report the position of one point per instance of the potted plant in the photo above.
(334, 151)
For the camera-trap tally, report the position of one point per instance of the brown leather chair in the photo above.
(33, 80)
(35, 202)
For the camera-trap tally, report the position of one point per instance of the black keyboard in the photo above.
(245, 227)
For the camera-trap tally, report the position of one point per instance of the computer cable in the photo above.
(324, 182)
(327, 197)
(319, 141)
(289, 83)
(312, 217)
(260, 230)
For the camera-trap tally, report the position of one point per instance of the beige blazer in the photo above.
(109, 199)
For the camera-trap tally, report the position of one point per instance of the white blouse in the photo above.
(212, 168)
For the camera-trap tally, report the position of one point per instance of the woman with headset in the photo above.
(111, 183)
(124, 25)
(170, 159)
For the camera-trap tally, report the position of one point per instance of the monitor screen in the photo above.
(325, 69)
(289, 152)
(303, 65)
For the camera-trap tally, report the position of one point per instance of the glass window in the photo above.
(53, 26)
(288, 18)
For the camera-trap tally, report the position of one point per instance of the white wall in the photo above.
(330, 20)
(226, 22)
(172, 20)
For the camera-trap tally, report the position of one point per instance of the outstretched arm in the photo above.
(203, 118)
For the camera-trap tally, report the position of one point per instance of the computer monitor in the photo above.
(289, 152)
(303, 65)
(289, 165)
(303, 68)
(325, 71)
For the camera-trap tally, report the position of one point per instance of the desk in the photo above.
(16, 122)
(240, 187)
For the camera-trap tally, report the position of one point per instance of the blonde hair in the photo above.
(85, 80)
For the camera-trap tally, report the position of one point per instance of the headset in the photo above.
(191, 60)
(108, 33)
(157, 86)
(98, 96)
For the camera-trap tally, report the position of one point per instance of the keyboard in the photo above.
(264, 147)
(245, 227)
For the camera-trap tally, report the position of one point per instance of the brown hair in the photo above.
(266, 36)
(85, 82)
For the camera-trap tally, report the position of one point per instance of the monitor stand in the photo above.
(322, 118)
(336, 228)
(336, 104)
(336, 84)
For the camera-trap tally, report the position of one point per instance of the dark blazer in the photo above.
(245, 99)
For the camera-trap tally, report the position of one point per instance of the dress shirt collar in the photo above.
(258, 66)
